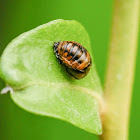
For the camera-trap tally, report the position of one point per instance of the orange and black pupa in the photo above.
(74, 56)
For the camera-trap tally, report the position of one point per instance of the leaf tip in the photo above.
(7, 89)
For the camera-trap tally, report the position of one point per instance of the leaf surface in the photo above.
(42, 86)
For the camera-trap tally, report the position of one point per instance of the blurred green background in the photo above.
(18, 16)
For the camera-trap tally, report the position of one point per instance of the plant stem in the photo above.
(120, 70)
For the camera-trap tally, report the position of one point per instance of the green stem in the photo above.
(120, 70)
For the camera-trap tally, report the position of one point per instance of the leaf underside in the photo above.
(42, 86)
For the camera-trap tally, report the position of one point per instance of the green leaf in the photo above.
(0, 70)
(42, 86)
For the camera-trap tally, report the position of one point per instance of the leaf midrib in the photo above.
(94, 94)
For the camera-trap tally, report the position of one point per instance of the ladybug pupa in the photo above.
(74, 56)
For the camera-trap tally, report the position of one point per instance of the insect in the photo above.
(74, 56)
